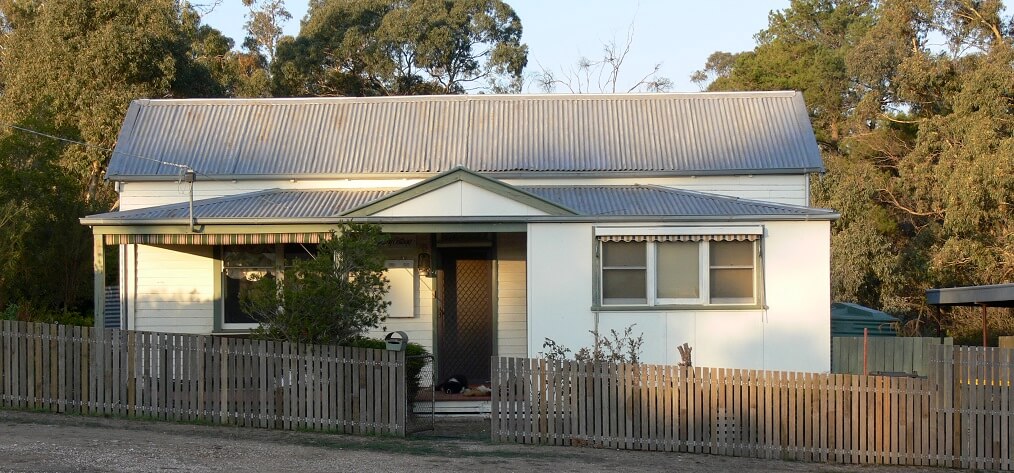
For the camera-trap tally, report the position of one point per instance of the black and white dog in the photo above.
(453, 385)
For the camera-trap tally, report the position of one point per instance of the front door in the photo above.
(465, 323)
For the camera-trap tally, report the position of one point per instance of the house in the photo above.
(514, 219)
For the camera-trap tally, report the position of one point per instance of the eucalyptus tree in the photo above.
(402, 47)
(912, 102)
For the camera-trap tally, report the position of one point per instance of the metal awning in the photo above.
(995, 295)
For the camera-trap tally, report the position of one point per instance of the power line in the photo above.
(182, 167)
(89, 145)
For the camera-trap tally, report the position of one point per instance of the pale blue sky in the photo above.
(678, 33)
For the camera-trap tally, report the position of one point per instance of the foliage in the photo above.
(40, 236)
(264, 26)
(394, 47)
(332, 299)
(414, 364)
(917, 139)
(70, 69)
(26, 312)
(77, 65)
(611, 348)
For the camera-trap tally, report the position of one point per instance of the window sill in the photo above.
(676, 307)
(232, 332)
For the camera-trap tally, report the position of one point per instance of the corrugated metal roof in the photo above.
(640, 200)
(275, 203)
(691, 133)
(587, 201)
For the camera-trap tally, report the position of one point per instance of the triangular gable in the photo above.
(459, 192)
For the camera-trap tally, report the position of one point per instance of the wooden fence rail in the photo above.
(884, 354)
(958, 416)
(202, 378)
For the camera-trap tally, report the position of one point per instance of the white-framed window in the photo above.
(681, 269)
(242, 265)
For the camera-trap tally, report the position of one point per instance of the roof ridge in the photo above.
(470, 98)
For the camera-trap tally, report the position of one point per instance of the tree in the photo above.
(79, 64)
(394, 47)
(333, 298)
(602, 75)
(45, 254)
(69, 69)
(264, 26)
(917, 138)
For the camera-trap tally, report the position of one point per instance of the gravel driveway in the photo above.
(50, 442)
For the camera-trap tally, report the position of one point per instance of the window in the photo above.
(659, 270)
(242, 265)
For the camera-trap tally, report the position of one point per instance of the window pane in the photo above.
(624, 286)
(732, 285)
(731, 253)
(624, 254)
(249, 256)
(236, 281)
(299, 251)
(678, 270)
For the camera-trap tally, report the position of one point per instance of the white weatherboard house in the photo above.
(513, 218)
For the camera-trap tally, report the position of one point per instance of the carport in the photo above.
(995, 295)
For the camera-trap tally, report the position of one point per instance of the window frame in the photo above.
(704, 299)
(278, 269)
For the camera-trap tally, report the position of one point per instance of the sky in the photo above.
(679, 34)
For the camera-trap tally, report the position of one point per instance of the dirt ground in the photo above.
(32, 441)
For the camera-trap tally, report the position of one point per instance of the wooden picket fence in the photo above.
(202, 378)
(958, 416)
(883, 354)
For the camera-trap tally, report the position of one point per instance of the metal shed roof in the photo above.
(588, 201)
(634, 134)
(996, 295)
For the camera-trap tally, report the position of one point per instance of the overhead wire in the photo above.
(183, 168)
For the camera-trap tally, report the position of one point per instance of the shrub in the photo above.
(334, 298)
(613, 348)
(27, 312)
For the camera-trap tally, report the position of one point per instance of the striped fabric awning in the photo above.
(639, 238)
(215, 239)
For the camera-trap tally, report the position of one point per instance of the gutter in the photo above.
(437, 219)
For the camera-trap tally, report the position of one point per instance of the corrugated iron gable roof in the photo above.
(751, 132)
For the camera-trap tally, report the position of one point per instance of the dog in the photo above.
(453, 385)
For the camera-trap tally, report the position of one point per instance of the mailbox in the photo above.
(396, 341)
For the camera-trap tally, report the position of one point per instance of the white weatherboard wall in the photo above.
(459, 199)
(792, 334)
(512, 301)
(782, 188)
(172, 289)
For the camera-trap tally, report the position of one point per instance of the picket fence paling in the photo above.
(196, 377)
(957, 416)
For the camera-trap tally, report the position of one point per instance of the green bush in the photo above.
(26, 312)
(414, 366)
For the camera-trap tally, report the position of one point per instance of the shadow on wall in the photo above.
(160, 310)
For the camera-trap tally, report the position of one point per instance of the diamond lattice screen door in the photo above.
(465, 325)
